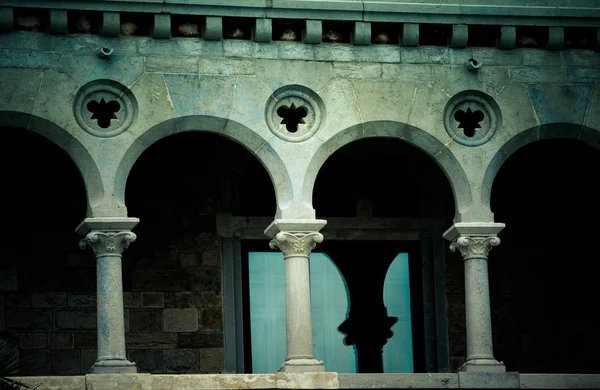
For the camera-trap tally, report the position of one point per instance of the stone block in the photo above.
(223, 381)
(211, 258)
(212, 360)
(186, 279)
(82, 300)
(88, 358)
(29, 320)
(313, 31)
(180, 320)
(182, 361)
(560, 103)
(35, 362)
(9, 279)
(76, 319)
(435, 55)
(460, 35)
(559, 381)
(210, 318)
(399, 381)
(200, 340)
(407, 73)
(356, 53)
(161, 26)
(32, 340)
(410, 34)
(86, 340)
(172, 64)
(85, 68)
(192, 299)
(492, 56)
(188, 258)
(581, 58)
(276, 74)
(146, 320)
(66, 361)
(131, 300)
(213, 28)
(482, 380)
(61, 341)
(308, 380)
(556, 38)
(150, 299)
(147, 360)
(111, 24)
(537, 75)
(357, 70)
(540, 57)
(17, 300)
(225, 66)
(29, 59)
(118, 382)
(362, 33)
(54, 382)
(263, 30)
(49, 299)
(583, 75)
(508, 37)
(179, 47)
(151, 340)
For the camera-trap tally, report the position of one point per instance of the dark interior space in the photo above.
(42, 267)
(542, 282)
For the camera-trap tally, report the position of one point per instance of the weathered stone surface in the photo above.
(32, 340)
(225, 381)
(118, 382)
(583, 75)
(175, 64)
(67, 361)
(17, 300)
(29, 320)
(188, 258)
(76, 319)
(211, 258)
(29, 59)
(435, 55)
(307, 380)
(182, 361)
(559, 381)
(9, 278)
(357, 70)
(154, 300)
(210, 318)
(146, 320)
(85, 68)
(537, 75)
(49, 299)
(151, 340)
(479, 380)
(147, 360)
(396, 381)
(82, 300)
(61, 341)
(556, 104)
(180, 320)
(200, 340)
(192, 299)
(212, 360)
(54, 382)
(226, 67)
(275, 74)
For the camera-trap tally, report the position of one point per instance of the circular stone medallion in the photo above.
(294, 113)
(472, 118)
(104, 108)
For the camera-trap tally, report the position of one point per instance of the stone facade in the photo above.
(263, 118)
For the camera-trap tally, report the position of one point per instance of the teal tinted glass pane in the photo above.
(329, 306)
(398, 352)
(267, 310)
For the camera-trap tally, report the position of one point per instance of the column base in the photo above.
(302, 365)
(483, 365)
(113, 366)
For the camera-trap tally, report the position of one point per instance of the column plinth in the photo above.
(296, 244)
(108, 246)
(475, 241)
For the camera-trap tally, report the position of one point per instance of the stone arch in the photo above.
(413, 136)
(232, 130)
(548, 131)
(63, 139)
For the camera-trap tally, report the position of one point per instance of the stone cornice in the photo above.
(508, 12)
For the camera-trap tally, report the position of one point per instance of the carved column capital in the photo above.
(474, 247)
(107, 243)
(296, 243)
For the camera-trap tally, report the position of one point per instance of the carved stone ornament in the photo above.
(105, 108)
(107, 243)
(296, 243)
(474, 247)
(294, 113)
(472, 118)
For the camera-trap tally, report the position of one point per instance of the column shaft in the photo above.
(298, 309)
(477, 307)
(111, 322)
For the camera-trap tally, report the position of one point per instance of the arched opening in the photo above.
(542, 284)
(175, 270)
(47, 284)
(385, 199)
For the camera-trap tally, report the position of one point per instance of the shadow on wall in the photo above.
(543, 288)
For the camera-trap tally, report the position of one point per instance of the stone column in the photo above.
(296, 239)
(474, 241)
(108, 238)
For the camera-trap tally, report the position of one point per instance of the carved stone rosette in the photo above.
(474, 247)
(296, 243)
(108, 243)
